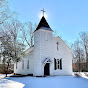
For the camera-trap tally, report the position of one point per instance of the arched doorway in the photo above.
(47, 69)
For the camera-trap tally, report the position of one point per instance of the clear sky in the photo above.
(67, 17)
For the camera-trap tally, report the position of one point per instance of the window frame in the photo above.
(28, 64)
(22, 64)
(58, 64)
(16, 65)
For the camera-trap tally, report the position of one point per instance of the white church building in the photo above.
(49, 56)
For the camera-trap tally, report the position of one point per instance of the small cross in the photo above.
(43, 11)
(57, 45)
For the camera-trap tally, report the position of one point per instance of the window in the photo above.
(23, 64)
(61, 63)
(28, 64)
(57, 46)
(16, 65)
(58, 64)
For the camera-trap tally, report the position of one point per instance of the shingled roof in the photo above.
(43, 24)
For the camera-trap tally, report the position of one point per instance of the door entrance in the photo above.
(47, 69)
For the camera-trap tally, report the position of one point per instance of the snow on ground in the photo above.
(5, 83)
(2, 76)
(82, 74)
(44, 82)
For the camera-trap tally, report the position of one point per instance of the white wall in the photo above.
(37, 59)
(19, 69)
(46, 48)
(49, 50)
(66, 55)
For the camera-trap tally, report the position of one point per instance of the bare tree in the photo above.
(13, 47)
(84, 41)
(78, 53)
(5, 13)
(31, 29)
(27, 30)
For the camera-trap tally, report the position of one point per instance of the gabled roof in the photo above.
(63, 42)
(43, 24)
(29, 50)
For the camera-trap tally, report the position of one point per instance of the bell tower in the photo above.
(42, 36)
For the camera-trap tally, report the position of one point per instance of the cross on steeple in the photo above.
(43, 11)
(57, 45)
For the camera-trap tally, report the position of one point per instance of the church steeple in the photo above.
(43, 25)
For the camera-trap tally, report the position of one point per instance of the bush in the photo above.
(85, 70)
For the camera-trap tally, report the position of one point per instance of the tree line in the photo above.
(14, 36)
(80, 52)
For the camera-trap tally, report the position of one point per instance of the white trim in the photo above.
(47, 60)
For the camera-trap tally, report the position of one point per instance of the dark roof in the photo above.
(43, 24)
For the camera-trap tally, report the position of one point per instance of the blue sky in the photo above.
(67, 17)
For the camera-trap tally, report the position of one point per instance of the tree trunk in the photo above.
(7, 69)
